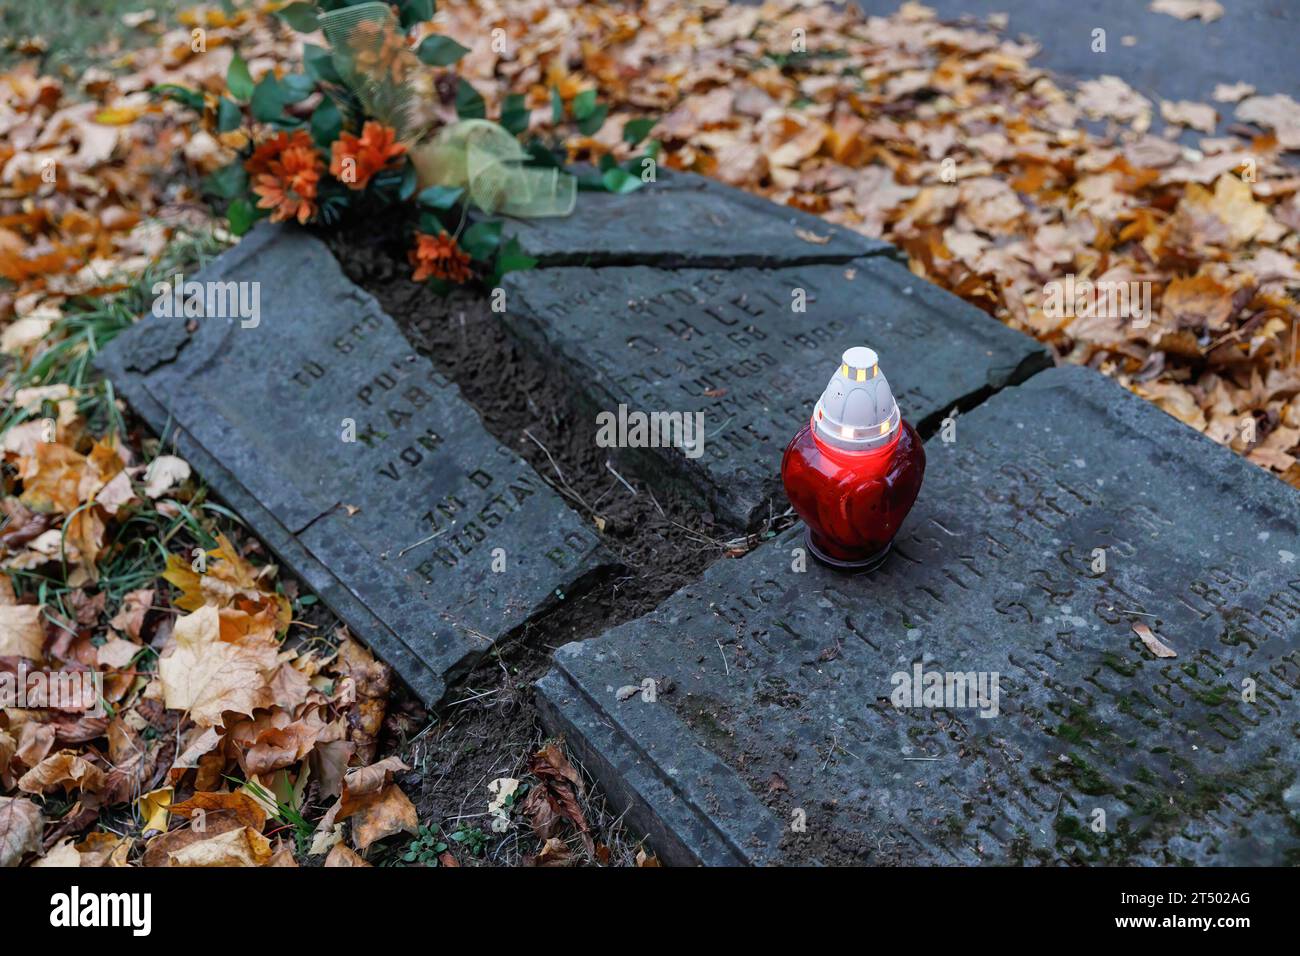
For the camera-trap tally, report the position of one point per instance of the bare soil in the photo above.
(489, 725)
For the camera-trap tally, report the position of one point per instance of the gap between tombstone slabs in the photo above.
(661, 535)
(946, 356)
(668, 533)
(724, 344)
(520, 396)
(540, 396)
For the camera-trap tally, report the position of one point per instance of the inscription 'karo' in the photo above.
(789, 715)
(356, 461)
(751, 349)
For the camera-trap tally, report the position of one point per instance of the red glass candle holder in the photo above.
(854, 471)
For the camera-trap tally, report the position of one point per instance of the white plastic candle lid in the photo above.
(857, 411)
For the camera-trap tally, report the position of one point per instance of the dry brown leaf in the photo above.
(229, 578)
(1174, 399)
(381, 815)
(1200, 116)
(808, 235)
(22, 631)
(1110, 97)
(561, 785)
(243, 846)
(990, 205)
(343, 855)
(116, 493)
(116, 653)
(53, 478)
(555, 852)
(362, 781)
(542, 818)
(35, 741)
(22, 333)
(282, 855)
(8, 747)
(329, 761)
(104, 849)
(210, 669)
(1153, 643)
(164, 473)
(62, 854)
(273, 739)
(238, 806)
(1232, 205)
(66, 769)
(1231, 92)
(158, 851)
(21, 825)
(1197, 302)
(550, 763)
(1207, 10)
(1278, 112)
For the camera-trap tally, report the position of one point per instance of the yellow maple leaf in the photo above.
(52, 479)
(1232, 204)
(118, 115)
(227, 581)
(180, 574)
(210, 669)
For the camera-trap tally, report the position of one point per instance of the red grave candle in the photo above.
(854, 471)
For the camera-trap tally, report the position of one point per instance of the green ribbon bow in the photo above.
(371, 55)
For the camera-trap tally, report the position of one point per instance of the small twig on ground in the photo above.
(658, 507)
(473, 697)
(567, 489)
(411, 547)
(620, 478)
(697, 535)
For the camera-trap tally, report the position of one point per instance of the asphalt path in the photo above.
(1255, 41)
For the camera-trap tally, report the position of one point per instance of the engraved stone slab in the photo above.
(765, 727)
(687, 220)
(398, 529)
(732, 345)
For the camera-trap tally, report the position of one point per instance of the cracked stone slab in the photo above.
(752, 717)
(396, 530)
(687, 220)
(729, 344)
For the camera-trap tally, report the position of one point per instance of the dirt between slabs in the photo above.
(659, 533)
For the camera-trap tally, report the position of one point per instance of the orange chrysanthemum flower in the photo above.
(439, 257)
(353, 160)
(270, 149)
(288, 187)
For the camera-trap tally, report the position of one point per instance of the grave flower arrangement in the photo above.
(367, 125)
